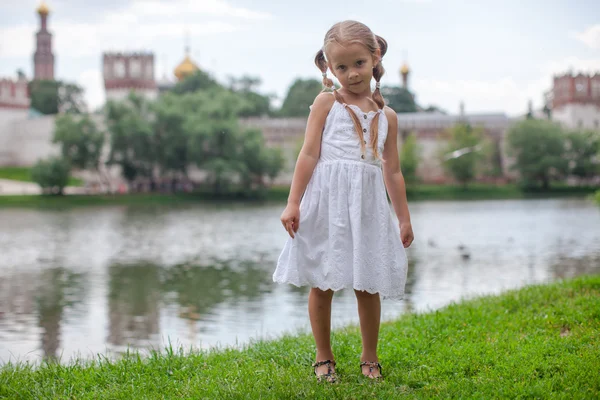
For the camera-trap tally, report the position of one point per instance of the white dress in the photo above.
(347, 236)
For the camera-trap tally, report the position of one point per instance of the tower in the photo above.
(127, 72)
(576, 100)
(404, 71)
(43, 58)
(187, 67)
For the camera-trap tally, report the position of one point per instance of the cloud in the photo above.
(216, 8)
(590, 37)
(93, 83)
(136, 26)
(17, 41)
(504, 94)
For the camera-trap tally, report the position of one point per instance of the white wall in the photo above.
(578, 116)
(121, 94)
(7, 117)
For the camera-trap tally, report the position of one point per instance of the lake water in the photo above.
(86, 281)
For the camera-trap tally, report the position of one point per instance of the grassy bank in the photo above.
(24, 174)
(537, 342)
(280, 193)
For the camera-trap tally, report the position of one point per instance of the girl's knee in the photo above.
(322, 293)
(361, 294)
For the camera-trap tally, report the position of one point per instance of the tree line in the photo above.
(541, 152)
(156, 142)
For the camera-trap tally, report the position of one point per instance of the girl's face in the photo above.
(353, 66)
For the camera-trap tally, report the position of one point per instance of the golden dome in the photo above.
(43, 9)
(404, 69)
(186, 68)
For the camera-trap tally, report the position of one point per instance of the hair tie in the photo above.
(324, 74)
(377, 85)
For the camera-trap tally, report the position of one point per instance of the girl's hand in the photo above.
(406, 234)
(290, 218)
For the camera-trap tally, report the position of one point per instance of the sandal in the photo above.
(330, 376)
(371, 365)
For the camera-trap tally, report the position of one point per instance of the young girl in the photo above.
(341, 230)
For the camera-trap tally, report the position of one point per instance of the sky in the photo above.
(495, 56)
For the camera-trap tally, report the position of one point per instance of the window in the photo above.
(135, 68)
(579, 123)
(596, 88)
(580, 87)
(596, 124)
(119, 69)
(149, 71)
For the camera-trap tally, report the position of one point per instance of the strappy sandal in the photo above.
(371, 365)
(330, 376)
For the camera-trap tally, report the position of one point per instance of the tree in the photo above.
(44, 96)
(70, 98)
(170, 138)
(52, 174)
(399, 99)
(200, 80)
(51, 97)
(409, 158)
(435, 109)
(582, 150)
(461, 154)
(300, 96)
(538, 147)
(80, 141)
(131, 137)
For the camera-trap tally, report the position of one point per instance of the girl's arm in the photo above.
(307, 160)
(394, 180)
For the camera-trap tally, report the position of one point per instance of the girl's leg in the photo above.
(319, 311)
(369, 313)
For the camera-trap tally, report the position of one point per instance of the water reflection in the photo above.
(88, 281)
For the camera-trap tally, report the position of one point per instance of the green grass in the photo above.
(537, 342)
(24, 174)
(280, 193)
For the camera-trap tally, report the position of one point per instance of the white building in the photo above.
(576, 101)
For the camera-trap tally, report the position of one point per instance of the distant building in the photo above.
(127, 72)
(43, 58)
(575, 101)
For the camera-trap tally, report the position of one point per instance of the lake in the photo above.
(90, 281)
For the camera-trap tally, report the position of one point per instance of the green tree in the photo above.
(131, 137)
(538, 147)
(214, 137)
(300, 96)
(582, 149)
(80, 141)
(44, 96)
(462, 152)
(254, 104)
(52, 174)
(409, 158)
(195, 82)
(50, 97)
(70, 98)
(259, 160)
(170, 138)
(399, 99)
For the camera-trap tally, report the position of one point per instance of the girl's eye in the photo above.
(361, 62)
(341, 67)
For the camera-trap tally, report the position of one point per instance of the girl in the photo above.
(341, 230)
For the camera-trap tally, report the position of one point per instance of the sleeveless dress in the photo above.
(347, 236)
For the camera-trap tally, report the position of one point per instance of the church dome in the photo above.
(404, 69)
(186, 68)
(43, 9)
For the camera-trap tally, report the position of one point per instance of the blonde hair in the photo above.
(348, 32)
